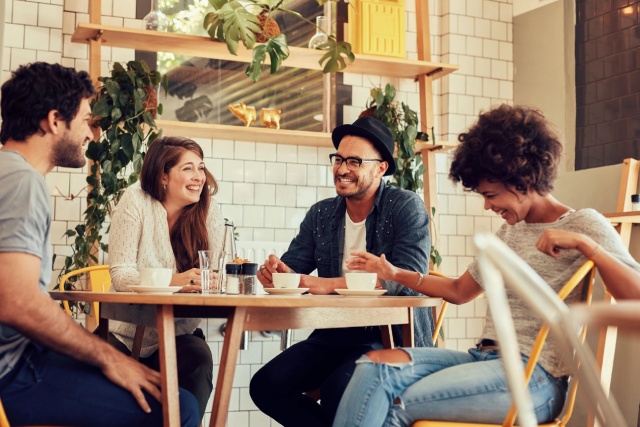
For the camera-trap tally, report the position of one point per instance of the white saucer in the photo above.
(286, 291)
(153, 289)
(359, 293)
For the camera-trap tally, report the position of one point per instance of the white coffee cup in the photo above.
(286, 280)
(159, 277)
(361, 281)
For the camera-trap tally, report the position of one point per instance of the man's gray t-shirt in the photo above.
(25, 219)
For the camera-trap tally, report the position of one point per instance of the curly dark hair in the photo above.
(190, 231)
(510, 144)
(36, 89)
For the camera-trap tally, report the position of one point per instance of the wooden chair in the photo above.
(100, 281)
(585, 272)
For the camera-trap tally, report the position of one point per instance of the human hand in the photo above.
(551, 242)
(133, 376)
(373, 264)
(189, 277)
(271, 265)
(319, 285)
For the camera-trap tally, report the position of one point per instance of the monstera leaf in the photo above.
(334, 59)
(278, 51)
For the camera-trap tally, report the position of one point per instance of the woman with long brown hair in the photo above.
(162, 222)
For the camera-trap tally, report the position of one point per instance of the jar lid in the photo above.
(635, 198)
(249, 268)
(233, 268)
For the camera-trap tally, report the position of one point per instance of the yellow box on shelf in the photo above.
(377, 27)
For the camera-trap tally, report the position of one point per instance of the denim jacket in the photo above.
(397, 226)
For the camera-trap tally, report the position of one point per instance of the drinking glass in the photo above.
(211, 265)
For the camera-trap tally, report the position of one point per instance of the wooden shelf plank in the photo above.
(438, 146)
(204, 47)
(241, 133)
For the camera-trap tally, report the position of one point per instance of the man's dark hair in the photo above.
(36, 89)
(510, 144)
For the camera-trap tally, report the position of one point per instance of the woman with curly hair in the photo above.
(510, 157)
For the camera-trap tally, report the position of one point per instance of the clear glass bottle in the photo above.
(248, 278)
(321, 36)
(155, 19)
(233, 278)
(229, 245)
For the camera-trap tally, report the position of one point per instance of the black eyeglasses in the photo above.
(353, 163)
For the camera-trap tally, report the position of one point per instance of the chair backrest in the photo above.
(497, 261)
(443, 308)
(99, 279)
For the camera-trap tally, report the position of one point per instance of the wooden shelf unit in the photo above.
(204, 47)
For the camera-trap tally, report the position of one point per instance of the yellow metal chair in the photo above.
(443, 309)
(4, 422)
(587, 270)
(100, 281)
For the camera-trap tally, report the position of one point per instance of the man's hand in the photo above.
(134, 377)
(322, 285)
(271, 265)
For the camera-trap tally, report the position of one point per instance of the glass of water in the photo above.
(211, 265)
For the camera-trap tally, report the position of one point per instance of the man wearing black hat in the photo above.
(366, 215)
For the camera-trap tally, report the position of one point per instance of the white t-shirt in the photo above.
(355, 239)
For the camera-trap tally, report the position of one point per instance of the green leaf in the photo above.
(334, 59)
(116, 114)
(278, 51)
(101, 107)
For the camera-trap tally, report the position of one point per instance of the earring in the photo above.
(164, 187)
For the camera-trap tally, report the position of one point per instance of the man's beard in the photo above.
(68, 154)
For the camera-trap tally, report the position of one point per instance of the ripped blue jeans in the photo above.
(439, 384)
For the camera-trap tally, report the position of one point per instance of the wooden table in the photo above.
(244, 313)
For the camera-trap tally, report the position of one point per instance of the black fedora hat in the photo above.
(373, 130)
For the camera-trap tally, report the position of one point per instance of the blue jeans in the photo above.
(443, 385)
(325, 360)
(53, 389)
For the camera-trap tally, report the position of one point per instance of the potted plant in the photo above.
(250, 22)
(124, 109)
(403, 123)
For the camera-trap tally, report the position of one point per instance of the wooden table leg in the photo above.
(227, 368)
(168, 366)
(408, 339)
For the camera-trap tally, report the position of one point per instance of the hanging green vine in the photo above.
(402, 121)
(124, 110)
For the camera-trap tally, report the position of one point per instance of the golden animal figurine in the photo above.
(244, 113)
(270, 117)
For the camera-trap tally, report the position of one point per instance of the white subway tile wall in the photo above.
(266, 188)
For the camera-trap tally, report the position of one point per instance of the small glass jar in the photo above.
(635, 202)
(320, 39)
(233, 278)
(248, 278)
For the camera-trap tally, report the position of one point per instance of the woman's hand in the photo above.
(189, 277)
(373, 264)
(553, 241)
